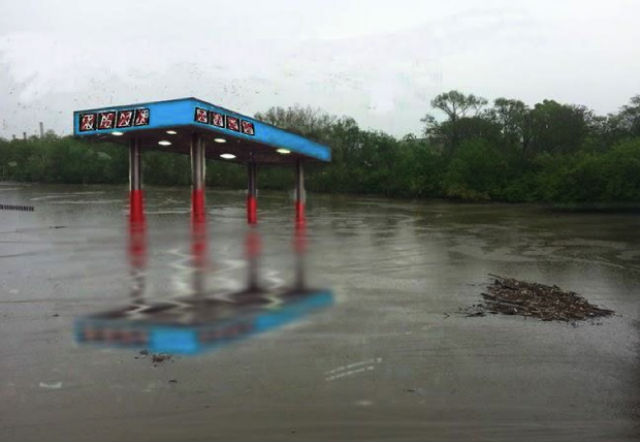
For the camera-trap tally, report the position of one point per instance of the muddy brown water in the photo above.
(387, 361)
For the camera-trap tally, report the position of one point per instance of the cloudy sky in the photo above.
(380, 62)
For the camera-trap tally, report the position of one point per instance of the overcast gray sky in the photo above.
(380, 62)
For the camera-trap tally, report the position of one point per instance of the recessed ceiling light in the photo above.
(117, 134)
(219, 140)
(283, 151)
(172, 132)
(164, 143)
(227, 156)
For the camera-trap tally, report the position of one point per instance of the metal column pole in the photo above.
(136, 203)
(252, 200)
(137, 224)
(300, 243)
(198, 176)
(299, 193)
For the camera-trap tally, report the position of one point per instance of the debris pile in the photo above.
(548, 303)
(156, 358)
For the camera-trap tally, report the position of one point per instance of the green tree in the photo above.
(552, 152)
(630, 117)
(305, 121)
(558, 128)
(456, 106)
(514, 119)
(477, 171)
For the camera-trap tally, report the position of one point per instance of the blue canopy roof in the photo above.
(161, 124)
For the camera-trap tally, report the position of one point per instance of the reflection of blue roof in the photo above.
(176, 337)
(196, 114)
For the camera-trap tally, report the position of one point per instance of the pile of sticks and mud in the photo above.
(509, 296)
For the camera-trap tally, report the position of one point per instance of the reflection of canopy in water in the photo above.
(202, 319)
(192, 326)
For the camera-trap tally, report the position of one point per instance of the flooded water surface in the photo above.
(348, 329)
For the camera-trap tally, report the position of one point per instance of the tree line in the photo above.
(476, 150)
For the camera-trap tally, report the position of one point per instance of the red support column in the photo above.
(137, 224)
(252, 200)
(136, 198)
(136, 205)
(252, 210)
(198, 210)
(198, 174)
(299, 194)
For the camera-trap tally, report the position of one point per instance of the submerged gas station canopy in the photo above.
(171, 125)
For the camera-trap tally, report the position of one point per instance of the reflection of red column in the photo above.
(198, 252)
(199, 243)
(300, 239)
(253, 244)
(138, 244)
(137, 257)
(253, 248)
(300, 243)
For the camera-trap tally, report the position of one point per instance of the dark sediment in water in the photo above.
(510, 296)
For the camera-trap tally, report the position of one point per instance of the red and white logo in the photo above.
(142, 117)
(233, 124)
(125, 118)
(106, 120)
(87, 122)
(202, 116)
(247, 128)
(217, 119)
